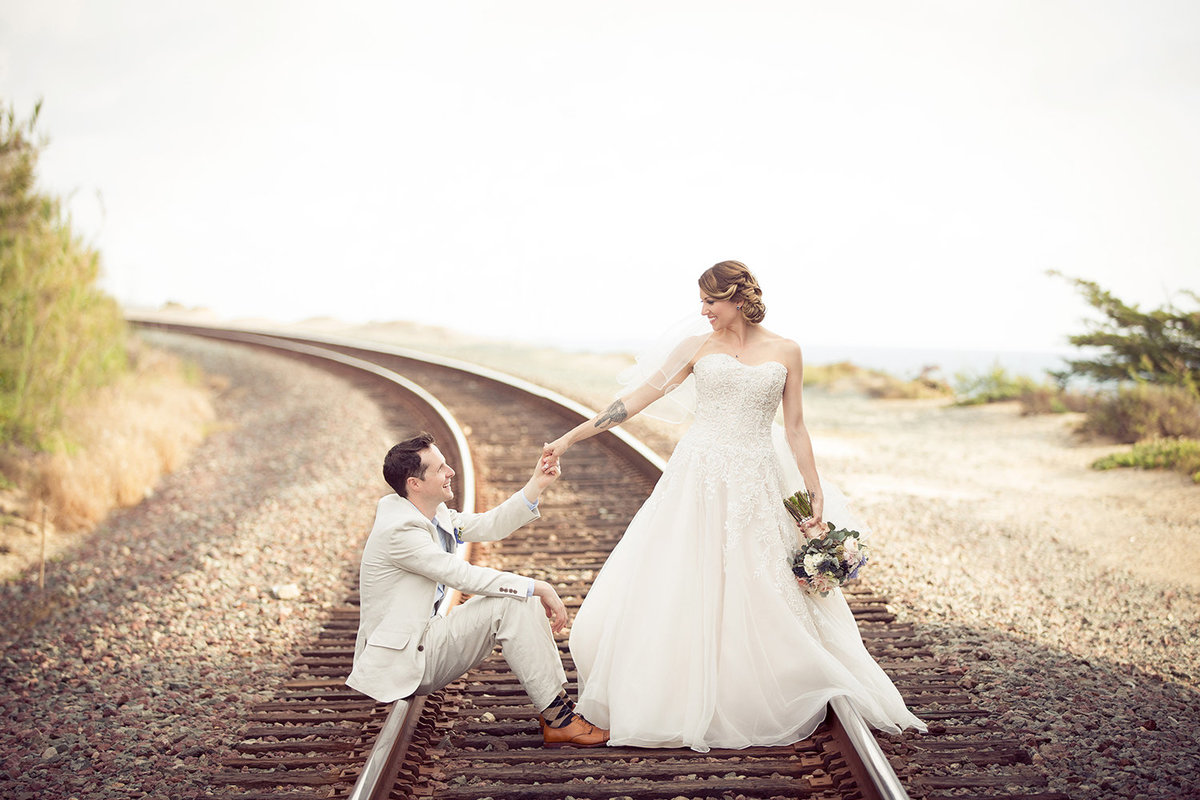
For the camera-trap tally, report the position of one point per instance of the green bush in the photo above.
(993, 386)
(1145, 411)
(1180, 454)
(59, 334)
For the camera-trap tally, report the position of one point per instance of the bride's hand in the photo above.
(814, 528)
(551, 452)
(818, 510)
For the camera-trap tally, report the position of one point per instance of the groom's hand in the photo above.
(543, 475)
(556, 611)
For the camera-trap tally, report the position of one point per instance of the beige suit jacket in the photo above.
(402, 564)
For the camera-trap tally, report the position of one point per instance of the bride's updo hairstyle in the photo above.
(731, 280)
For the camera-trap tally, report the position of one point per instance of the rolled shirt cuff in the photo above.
(532, 506)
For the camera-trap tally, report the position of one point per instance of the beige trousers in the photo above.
(468, 634)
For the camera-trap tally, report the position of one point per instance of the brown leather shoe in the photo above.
(577, 733)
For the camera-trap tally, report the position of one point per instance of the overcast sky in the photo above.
(896, 173)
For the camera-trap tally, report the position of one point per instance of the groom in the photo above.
(404, 647)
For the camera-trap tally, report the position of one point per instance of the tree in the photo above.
(1160, 346)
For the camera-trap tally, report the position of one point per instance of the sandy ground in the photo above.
(1032, 470)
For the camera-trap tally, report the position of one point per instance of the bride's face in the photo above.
(720, 313)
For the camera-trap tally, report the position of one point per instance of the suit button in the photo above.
(420, 647)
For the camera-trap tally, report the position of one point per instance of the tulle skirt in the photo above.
(695, 634)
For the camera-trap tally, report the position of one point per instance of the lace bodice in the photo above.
(736, 402)
(728, 453)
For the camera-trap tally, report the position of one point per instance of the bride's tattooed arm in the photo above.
(613, 415)
(621, 410)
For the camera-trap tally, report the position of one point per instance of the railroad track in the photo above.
(478, 738)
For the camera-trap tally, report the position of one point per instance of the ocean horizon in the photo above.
(904, 362)
(910, 362)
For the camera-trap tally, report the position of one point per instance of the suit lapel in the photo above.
(415, 513)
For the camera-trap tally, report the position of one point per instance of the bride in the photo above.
(695, 633)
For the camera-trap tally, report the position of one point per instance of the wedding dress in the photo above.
(695, 633)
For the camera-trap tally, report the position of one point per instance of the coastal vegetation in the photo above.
(1182, 454)
(1143, 370)
(59, 335)
(1137, 381)
(89, 415)
(993, 386)
(844, 375)
(1160, 347)
(998, 385)
(1152, 358)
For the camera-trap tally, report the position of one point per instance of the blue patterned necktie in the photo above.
(445, 538)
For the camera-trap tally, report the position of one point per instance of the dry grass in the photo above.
(1050, 399)
(845, 376)
(1145, 411)
(113, 447)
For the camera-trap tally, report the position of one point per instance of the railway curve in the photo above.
(478, 738)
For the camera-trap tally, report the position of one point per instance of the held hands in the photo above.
(552, 451)
(543, 476)
(555, 610)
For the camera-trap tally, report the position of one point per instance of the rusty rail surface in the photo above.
(478, 738)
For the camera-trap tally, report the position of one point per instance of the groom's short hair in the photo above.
(403, 461)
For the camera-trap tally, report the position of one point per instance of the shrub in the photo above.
(993, 386)
(1050, 399)
(59, 335)
(874, 382)
(1145, 411)
(1180, 454)
(889, 387)
(828, 375)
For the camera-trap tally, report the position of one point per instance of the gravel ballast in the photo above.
(1054, 591)
(134, 673)
(1067, 599)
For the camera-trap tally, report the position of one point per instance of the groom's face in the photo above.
(434, 485)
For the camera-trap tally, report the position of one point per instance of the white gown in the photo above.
(695, 633)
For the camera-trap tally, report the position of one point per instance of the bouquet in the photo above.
(827, 559)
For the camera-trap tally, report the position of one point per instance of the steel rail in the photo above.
(478, 370)
(391, 743)
(872, 763)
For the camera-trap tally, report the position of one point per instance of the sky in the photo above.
(896, 174)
